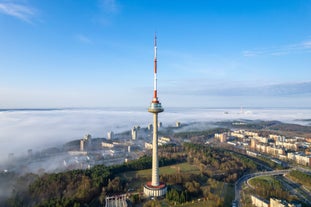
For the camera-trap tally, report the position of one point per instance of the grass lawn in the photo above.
(266, 179)
(172, 169)
(136, 180)
(141, 176)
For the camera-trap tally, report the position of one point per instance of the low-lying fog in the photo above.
(21, 130)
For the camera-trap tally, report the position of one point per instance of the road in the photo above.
(296, 189)
(239, 182)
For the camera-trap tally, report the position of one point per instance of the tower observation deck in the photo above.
(155, 188)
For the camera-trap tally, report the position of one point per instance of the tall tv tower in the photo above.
(155, 188)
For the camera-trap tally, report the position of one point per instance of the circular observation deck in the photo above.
(155, 108)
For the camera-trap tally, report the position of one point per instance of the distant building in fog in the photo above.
(178, 124)
(160, 124)
(110, 135)
(11, 156)
(107, 144)
(29, 152)
(134, 133)
(149, 127)
(85, 142)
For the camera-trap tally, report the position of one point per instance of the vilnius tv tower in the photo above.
(155, 188)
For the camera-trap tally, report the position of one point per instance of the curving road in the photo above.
(296, 189)
(241, 180)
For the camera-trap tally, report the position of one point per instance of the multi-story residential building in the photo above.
(300, 158)
(239, 134)
(222, 137)
(287, 145)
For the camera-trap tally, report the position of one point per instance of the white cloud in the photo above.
(83, 39)
(110, 6)
(22, 12)
(251, 90)
(280, 50)
(307, 44)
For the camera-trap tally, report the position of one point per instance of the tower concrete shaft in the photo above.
(155, 162)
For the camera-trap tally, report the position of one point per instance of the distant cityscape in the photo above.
(116, 148)
(277, 148)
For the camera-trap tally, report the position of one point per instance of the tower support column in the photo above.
(155, 161)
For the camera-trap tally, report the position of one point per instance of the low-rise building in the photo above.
(148, 145)
(259, 202)
(282, 203)
(273, 202)
(163, 140)
(107, 144)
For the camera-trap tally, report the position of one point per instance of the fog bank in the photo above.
(21, 130)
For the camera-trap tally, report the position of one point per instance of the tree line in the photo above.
(76, 187)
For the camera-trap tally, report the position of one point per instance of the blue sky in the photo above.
(212, 53)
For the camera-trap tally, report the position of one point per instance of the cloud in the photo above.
(281, 50)
(83, 39)
(306, 44)
(278, 90)
(205, 88)
(22, 12)
(110, 6)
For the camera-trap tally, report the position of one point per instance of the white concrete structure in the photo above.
(134, 133)
(110, 135)
(155, 188)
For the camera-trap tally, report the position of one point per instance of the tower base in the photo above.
(155, 191)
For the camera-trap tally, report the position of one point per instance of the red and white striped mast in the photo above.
(155, 92)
